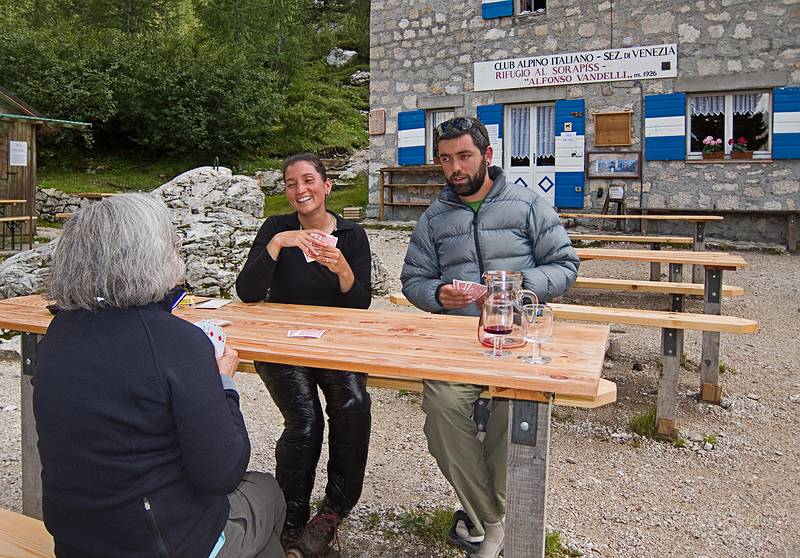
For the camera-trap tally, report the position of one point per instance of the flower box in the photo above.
(741, 154)
(714, 155)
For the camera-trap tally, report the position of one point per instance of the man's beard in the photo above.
(473, 183)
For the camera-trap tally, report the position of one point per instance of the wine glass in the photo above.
(498, 322)
(537, 321)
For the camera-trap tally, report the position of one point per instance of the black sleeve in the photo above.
(360, 259)
(255, 279)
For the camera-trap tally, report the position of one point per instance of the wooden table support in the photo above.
(655, 267)
(710, 388)
(528, 456)
(671, 357)
(31, 464)
(698, 246)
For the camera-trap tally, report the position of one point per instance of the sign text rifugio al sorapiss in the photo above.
(613, 64)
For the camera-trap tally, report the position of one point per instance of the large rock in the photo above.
(338, 57)
(360, 77)
(379, 277)
(26, 273)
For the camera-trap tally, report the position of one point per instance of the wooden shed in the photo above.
(20, 125)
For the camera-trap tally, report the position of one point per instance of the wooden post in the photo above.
(791, 235)
(710, 389)
(667, 399)
(380, 187)
(655, 267)
(678, 303)
(698, 246)
(31, 464)
(526, 486)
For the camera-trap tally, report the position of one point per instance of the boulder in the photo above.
(26, 273)
(339, 57)
(358, 78)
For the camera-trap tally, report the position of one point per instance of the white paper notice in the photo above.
(213, 303)
(18, 154)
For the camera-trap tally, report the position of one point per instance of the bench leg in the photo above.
(710, 388)
(678, 303)
(791, 233)
(667, 400)
(526, 486)
(31, 464)
(699, 245)
(655, 267)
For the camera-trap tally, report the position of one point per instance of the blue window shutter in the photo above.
(665, 127)
(786, 123)
(491, 9)
(411, 138)
(570, 167)
(492, 117)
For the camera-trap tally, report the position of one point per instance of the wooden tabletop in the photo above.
(648, 217)
(718, 260)
(384, 343)
(12, 202)
(23, 536)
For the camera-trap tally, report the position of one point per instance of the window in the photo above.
(538, 121)
(730, 116)
(433, 119)
(522, 7)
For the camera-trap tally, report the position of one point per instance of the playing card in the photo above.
(215, 334)
(327, 239)
(214, 303)
(309, 333)
(469, 287)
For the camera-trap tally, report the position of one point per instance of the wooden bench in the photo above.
(23, 537)
(672, 325)
(606, 393)
(664, 287)
(14, 226)
(63, 216)
(654, 241)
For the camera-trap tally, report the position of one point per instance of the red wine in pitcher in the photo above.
(497, 330)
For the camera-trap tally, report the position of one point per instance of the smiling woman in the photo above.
(315, 257)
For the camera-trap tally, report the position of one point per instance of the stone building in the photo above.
(589, 99)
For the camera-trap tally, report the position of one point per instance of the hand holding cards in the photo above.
(327, 239)
(215, 334)
(475, 290)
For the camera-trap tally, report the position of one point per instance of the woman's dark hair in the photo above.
(308, 158)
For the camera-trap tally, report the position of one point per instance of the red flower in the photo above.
(741, 141)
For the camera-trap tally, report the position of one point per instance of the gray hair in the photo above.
(120, 252)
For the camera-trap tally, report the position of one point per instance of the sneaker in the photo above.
(459, 533)
(492, 543)
(321, 533)
(290, 540)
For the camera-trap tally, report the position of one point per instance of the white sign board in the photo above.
(613, 64)
(616, 192)
(18, 154)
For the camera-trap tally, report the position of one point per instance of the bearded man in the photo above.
(478, 223)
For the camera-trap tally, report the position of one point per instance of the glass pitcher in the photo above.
(505, 285)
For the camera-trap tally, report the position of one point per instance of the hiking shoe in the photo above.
(459, 535)
(492, 543)
(321, 534)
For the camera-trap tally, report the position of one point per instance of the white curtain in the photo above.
(545, 131)
(706, 105)
(441, 116)
(750, 103)
(521, 132)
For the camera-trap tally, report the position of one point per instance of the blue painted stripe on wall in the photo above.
(497, 9)
(665, 148)
(564, 110)
(671, 104)
(786, 99)
(786, 146)
(491, 114)
(411, 155)
(411, 120)
(566, 194)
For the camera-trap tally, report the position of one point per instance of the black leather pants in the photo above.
(294, 390)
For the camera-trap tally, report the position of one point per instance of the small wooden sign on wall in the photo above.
(612, 129)
(377, 122)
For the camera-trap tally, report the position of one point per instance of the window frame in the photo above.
(517, 12)
(429, 115)
(728, 121)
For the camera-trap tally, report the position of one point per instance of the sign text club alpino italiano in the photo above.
(613, 64)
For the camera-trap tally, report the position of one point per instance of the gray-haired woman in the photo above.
(144, 450)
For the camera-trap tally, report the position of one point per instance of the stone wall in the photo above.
(425, 50)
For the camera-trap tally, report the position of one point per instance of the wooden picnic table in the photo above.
(13, 224)
(699, 222)
(393, 344)
(714, 264)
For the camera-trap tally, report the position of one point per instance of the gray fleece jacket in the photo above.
(514, 229)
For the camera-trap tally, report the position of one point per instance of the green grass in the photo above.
(113, 174)
(354, 195)
(710, 439)
(679, 442)
(554, 548)
(430, 526)
(724, 369)
(644, 424)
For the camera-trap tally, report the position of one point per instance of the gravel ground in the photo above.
(611, 492)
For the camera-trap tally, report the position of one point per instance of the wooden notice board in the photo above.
(612, 128)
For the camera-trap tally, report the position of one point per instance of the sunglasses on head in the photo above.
(460, 124)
